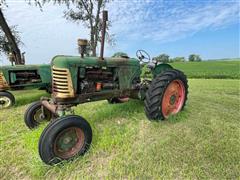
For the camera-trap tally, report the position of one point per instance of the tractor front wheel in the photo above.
(166, 95)
(64, 139)
(34, 115)
(6, 99)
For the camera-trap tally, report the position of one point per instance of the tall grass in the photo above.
(202, 142)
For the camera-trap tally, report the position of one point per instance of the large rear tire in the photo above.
(6, 99)
(65, 139)
(34, 115)
(166, 95)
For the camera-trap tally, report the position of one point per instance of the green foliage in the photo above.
(178, 59)
(88, 13)
(5, 46)
(164, 58)
(210, 69)
(146, 72)
(120, 54)
(194, 58)
(202, 142)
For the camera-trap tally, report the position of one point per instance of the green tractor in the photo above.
(18, 77)
(79, 79)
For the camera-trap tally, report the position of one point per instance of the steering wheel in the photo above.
(143, 56)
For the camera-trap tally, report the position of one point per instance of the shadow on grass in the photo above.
(129, 110)
(107, 111)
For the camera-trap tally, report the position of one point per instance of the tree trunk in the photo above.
(96, 25)
(11, 39)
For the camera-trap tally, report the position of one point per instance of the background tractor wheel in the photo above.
(6, 99)
(166, 95)
(116, 100)
(34, 116)
(64, 139)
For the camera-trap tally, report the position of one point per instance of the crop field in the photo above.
(201, 142)
(210, 69)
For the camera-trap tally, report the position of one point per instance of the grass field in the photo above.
(210, 69)
(201, 142)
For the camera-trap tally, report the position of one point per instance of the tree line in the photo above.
(164, 58)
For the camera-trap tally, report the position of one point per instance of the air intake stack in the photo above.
(82, 46)
(104, 24)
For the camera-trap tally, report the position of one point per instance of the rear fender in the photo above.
(160, 68)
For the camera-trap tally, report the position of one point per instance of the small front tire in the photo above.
(34, 116)
(64, 139)
(6, 99)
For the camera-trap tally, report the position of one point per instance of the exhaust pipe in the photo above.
(104, 19)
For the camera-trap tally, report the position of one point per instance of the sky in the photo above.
(209, 28)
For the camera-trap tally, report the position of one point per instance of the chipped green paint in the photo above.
(126, 68)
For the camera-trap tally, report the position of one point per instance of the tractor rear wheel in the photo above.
(6, 99)
(64, 139)
(34, 115)
(166, 95)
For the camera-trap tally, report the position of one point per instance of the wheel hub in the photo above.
(69, 142)
(173, 98)
(4, 102)
(38, 116)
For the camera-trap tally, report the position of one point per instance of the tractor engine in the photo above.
(97, 79)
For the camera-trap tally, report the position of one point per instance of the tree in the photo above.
(164, 58)
(88, 12)
(85, 11)
(120, 54)
(9, 38)
(9, 41)
(194, 57)
(5, 46)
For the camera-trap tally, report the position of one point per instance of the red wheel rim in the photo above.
(173, 98)
(69, 142)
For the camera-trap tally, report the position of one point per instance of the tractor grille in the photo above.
(62, 83)
(1, 79)
(3, 83)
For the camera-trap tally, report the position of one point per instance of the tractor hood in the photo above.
(73, 61)
(22, 67)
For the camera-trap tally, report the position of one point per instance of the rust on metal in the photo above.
(3, 83)
(98, 86)
(173, 98)
(50, 107)
(82, 44)
(69, 142)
